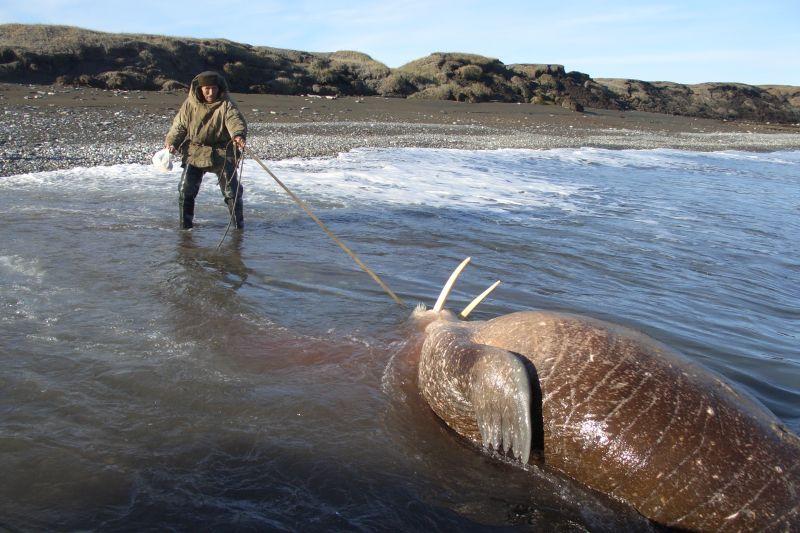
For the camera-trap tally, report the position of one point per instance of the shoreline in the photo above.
(56, 127)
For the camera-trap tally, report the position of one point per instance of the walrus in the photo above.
(614, 410)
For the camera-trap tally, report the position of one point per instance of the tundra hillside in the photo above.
(72, 56)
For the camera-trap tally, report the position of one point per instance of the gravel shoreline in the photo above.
(49, 128)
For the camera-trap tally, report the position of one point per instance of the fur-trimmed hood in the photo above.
(196, 94)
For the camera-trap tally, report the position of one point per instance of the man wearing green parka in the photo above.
(209, 131)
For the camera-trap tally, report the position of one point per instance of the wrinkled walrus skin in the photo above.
(618, 412)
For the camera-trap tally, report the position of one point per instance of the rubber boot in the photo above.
(186, 211)
(236, 212)
(231, 188)
(187, 192)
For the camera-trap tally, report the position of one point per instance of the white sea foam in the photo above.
(499, 180)
(436, 178)
(21, 267)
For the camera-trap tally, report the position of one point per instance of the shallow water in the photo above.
(150, 381)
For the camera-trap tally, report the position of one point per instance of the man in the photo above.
(209, 131)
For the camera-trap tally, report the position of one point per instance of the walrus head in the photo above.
(481, 391)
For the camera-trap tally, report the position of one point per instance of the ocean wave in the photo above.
(508, 180)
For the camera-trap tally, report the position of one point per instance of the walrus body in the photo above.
(618, 412)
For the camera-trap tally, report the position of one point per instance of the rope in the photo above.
(238, 167)
(330, 234)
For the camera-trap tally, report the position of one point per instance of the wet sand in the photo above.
(53, 127)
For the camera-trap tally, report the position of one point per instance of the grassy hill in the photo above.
(67, 55)
(73, 56)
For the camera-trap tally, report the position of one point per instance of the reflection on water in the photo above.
(149, 380)
(225, 262)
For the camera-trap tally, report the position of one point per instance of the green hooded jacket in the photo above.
(203, 131)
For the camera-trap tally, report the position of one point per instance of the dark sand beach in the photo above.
(56, 127)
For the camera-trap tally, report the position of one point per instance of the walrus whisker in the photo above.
(449, 285)
(468, 309)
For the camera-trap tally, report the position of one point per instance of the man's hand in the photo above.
(240, 142)
(171, 148)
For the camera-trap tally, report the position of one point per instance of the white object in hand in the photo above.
(162, 160)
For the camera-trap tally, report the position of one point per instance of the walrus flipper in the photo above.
(501, 397)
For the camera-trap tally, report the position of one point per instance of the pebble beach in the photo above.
(56, 127)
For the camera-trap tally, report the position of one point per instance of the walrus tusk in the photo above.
(468, 309)
(449, 285)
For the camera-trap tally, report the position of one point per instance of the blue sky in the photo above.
(686, 42)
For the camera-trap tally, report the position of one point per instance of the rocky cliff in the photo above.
(67, 55)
